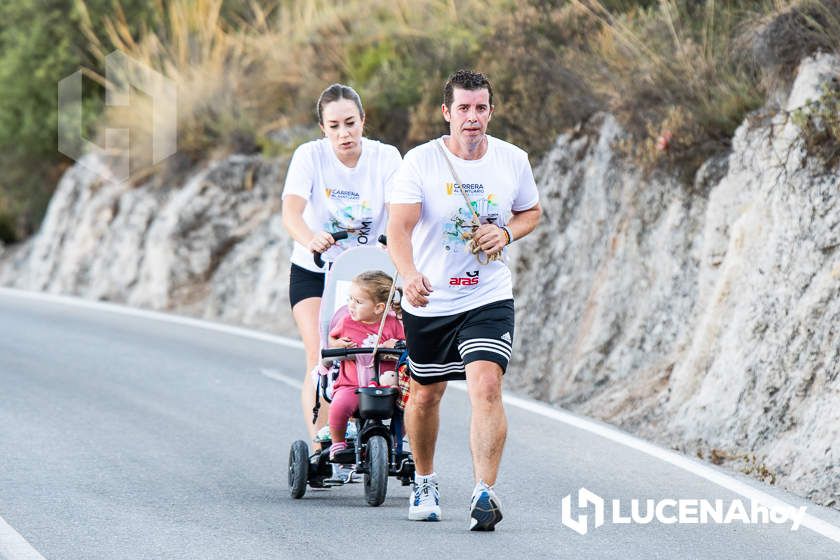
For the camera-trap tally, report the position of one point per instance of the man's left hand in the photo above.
(490, 238)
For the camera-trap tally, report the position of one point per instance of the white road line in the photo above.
(613, 434)
(155, 315)
(13, 546)
(277, 376)
(681, 461)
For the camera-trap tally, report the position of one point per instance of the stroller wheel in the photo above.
(376, 480)
(298, 469)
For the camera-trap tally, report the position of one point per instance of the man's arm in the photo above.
(524, 222)
(492, 239)
(401, 222)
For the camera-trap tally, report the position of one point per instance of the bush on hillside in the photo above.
(40, 43)
(679, 74)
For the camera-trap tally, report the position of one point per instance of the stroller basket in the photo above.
(377, 402)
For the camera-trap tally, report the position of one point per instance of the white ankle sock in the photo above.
(420, 478)
(480, 485)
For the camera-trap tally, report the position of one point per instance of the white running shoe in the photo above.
(485, 509)
(424, 501)
(342, 474)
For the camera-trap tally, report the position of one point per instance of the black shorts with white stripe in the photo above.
(439, 347)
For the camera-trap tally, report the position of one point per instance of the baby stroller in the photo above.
(375, 450)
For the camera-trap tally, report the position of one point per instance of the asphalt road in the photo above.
(126, 436)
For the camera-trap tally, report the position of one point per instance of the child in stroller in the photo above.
(374, 447)
(367, 300)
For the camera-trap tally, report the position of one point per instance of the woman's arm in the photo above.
(293, 207)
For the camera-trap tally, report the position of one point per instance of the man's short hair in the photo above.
(465, 79)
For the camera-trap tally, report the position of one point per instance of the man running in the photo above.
(457, 202)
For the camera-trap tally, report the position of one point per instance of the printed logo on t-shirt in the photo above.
(356, 218)
(341, 194)
(469, 188)
(457, 231)
(470, 278)
(369, 341)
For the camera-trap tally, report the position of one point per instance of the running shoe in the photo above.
(424, 501)
(342, 474)
(323, 434)
(485, 510)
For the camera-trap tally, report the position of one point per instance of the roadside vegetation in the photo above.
(680, 75)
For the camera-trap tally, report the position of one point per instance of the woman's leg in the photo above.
(305, 313)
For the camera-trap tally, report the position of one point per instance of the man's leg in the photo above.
(432, 356)
(488, 428)
(488, 424)
(422, 418)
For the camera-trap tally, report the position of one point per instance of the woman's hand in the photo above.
(390, 343)
(320, 242)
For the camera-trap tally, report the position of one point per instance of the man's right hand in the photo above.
(416, 288)
(320, 242)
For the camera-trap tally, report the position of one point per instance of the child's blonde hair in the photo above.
(378, 285)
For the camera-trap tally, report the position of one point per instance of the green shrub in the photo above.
(672, 75)
(40, 43)
(819, 121)
(680, 75)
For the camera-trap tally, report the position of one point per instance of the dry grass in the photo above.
(789, 32)
(671, 74)
(237, 80)
(207, 59)
(677, 73)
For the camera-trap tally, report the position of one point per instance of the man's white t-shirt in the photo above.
(497, 184)
(340, 197)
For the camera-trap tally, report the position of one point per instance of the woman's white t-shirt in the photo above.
(498, 183)
(340, 197)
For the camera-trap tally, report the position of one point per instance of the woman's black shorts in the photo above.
(439, 347)
(304, 284)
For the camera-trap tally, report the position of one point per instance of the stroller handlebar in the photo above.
(342, 353)
(338, 236)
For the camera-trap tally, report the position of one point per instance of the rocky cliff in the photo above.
(704, 317)
(213, 247)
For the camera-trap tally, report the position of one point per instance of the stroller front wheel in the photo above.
(376, 479)
(298, 469)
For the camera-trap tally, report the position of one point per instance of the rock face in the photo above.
(704, 317)
(213, 248)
